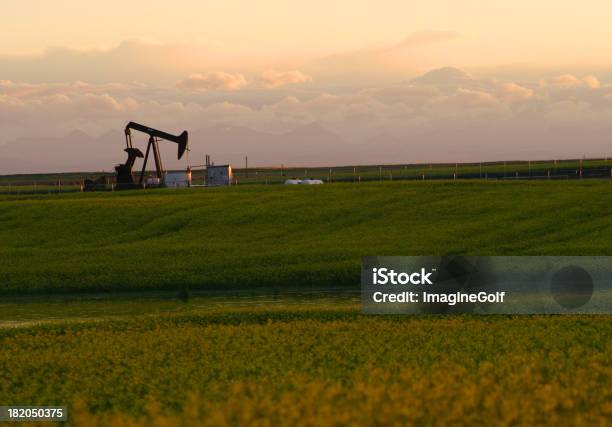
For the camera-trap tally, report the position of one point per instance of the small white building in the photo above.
(177, 179)
(219, 175)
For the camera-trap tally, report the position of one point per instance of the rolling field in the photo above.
(277, 236)
(304, 361)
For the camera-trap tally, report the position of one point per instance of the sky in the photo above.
(444, 74)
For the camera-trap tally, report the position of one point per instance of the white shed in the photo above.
(219, 175)
(177, 179)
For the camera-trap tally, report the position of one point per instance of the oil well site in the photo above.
(140, 172)
(232, 213)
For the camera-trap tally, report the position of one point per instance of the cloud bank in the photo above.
(446, 114)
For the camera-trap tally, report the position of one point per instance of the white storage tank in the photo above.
(177, 179)
(153, 180)
(219, 175)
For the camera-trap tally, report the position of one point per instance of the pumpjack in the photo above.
(124, 171)
(125, 177)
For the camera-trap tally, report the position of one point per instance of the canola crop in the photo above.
(314, 367)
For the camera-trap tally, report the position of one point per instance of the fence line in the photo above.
(516, 170)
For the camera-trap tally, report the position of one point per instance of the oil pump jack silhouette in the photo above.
(125, 177)
(124, 171)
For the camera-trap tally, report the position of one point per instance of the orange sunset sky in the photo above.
(318, 82)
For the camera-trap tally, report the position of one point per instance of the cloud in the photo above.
(591, 81)
(273, 78)
(563, 81)
(512, 92)
(24, 90)
(218, 80)
(134, 60)
(445, 77)
(426, 37)
(377, 63)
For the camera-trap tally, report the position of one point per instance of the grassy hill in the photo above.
(277, 236)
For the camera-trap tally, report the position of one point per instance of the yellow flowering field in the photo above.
(314, 366)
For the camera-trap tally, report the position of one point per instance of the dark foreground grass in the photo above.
(277, 236)
(323, 365)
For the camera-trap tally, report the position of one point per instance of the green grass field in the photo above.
(309, 360)
(277, 236)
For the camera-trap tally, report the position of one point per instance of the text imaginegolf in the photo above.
(433, 298)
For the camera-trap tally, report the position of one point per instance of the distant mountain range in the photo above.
(308, 145)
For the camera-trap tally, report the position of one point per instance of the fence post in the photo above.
(380, 172)
(529, 166)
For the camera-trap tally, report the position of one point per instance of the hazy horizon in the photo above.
(413, 83)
